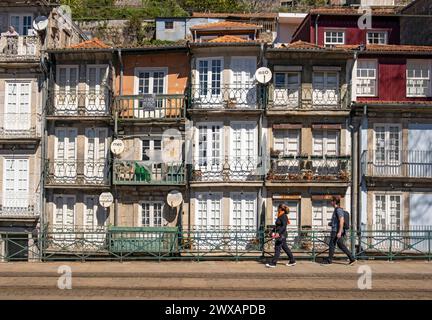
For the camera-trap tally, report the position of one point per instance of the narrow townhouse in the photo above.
(78, 134)
(25, 31)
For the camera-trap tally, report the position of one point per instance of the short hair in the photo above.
(336, 200)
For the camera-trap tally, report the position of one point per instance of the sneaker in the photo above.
(291, 264)
(326, 263)
(352, 262)
(270, 265)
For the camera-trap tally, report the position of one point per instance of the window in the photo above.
(377, 37)
(209, 146)
(97, 87)
(332, 38)
(388, 143)
(244, 143)
(67, 87)
(152, 214)
(95, 215)
(169, 25)
(65, 154)
(325, 142)
(388, 211)
(366, 78)
(15, 184)
(64, 213)
(287, 141)
(210, 77)
(325, 88)
(208, 210)
(242, 91)
(418, 78)
(96, 154)
(151, 150)
(243, 210)
(287, 85)
(22, 23)
(17, 107)
(151, 81)
(322, 212)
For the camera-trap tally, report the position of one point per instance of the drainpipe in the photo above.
(262, 153)
(316, 29)
(116, 209)
(354, 167)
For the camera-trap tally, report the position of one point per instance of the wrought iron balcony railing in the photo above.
(299, 98)
(227, 169)
(79, 103)
(19, 205)
(249, 97)
(16, 48)
(78, 172)
(19, 126)
(310, 168)
(134, 172)
(397, 163)
(151, 107)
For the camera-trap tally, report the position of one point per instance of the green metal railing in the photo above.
(170, 243)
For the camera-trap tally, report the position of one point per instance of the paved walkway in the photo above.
(216, 280)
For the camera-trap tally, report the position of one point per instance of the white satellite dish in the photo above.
(263, 75)
(174, 198)
(106, 199)
(40, 23)
(117, 146)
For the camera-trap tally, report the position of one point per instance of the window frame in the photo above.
(152, 213)
(375, 91)
(387, 196)
(428, 64)
(377, 32)
(331, 44)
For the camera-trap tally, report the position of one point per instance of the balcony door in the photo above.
(151, 83)
(15, 184)
(22, 23)
(17, 118)
(322, 212)
(242, 92)
(67, 96)
(64, 219)
(95, 220)
(388, 214)
(96, 155)
(97, 96)
(286, 143)
(325, 88)
(65, 155)
(325, 147)
(286, 92)
(152, 151)
(387, 158)
(208, 93)
(209, 162)
(243, 158)
(208, 214)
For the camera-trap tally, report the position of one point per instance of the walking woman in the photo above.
(280, 235)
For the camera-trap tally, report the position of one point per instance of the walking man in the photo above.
(337, 233)
(280, 237)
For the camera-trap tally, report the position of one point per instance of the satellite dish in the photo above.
(106, 199)
(40, 23)
(263, 75)
(174, 198)
(117, 147)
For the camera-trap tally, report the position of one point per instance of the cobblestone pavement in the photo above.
(215, 280)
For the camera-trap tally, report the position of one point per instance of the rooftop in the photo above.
(226, 25)
(95, 43)
(377, 11)
(227, 38)
(261, 15)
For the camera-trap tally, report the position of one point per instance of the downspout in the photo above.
(116, 208)
(316, 29)
(190, 151)
(262, 153)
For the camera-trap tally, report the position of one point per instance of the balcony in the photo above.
(19, 205)
(228, 169)
(77, 173)
(17, 126)
(230, 98)
(408, 164)
(307, 98)
(79, 103)
(19, 49)
(134, 172)
(160, 107)
(304, 168)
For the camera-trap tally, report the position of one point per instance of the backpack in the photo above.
(346, 220)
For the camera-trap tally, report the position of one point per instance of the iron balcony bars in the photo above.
(19, 204)
(15, 125)
(397, 163)
(19, 47)
(78, 172)
(150, 107)
(309, 168)
(137, 172)
(74, 102)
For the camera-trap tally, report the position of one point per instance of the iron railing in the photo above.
(151, 107)
(227, 169)
(159, 243)
(229, 97)
(397, 163)
(19, 205)
(79, 103)
(300, 97)
(19, 126)
(77, 172)
(134, 172)
(310, 168)
(18, 48)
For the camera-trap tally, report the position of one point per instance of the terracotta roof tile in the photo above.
(388, 48)
(384, 11)
(228, 38)
(261, 15)
(301, 45)
(95, 43)
(225, 25)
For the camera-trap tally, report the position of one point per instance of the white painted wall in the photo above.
(420, 209)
